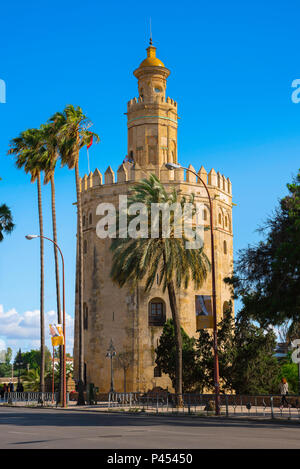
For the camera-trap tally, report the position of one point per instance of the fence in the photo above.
(28, 398)
(204, 404)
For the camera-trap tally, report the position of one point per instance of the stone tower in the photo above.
(133, 319)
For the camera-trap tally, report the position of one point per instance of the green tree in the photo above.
(6, 221)
(28, 150)
(73, 135)
(226, 354)
(32, 359)
(136, 260)
(166, 357)
(246, 357)
(267, 275)
(5, 366)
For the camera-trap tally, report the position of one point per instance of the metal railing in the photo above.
(28, 398)
(231, 405)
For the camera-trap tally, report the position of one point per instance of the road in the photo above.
(46, 428)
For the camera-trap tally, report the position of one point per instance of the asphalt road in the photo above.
(46, 428)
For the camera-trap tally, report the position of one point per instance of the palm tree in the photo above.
(29, 152)
(74, 134)
(31, 380)
(50, 141)
(139, 259)
(6, 221)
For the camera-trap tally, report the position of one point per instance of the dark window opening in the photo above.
(85, 317)
(157, 316)
(157, 372)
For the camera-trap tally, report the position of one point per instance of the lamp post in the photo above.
(172, 166)
(64, 384)
(111, 353)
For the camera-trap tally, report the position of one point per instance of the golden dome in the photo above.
(151, 60)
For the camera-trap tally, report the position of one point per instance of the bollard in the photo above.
(272, 408)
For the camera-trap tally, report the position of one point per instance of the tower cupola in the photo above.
(152, 118)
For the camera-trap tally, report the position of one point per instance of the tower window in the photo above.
(90, 219)
(225, 247)
(220, 219)
(157, 89)
(85, 316)
(157, 372)
(83, 220)
(156, 313)
(85, 246)
(204, 215)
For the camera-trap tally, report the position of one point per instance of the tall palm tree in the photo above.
(6, 221)
(49, 160)
(136, 260)
(29, 151)
(74, 134)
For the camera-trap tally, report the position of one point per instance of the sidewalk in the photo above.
(258, 414)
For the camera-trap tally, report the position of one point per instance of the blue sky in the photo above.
(232, 64)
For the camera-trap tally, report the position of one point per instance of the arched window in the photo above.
(220, 219)
(90, 218)
(226, 222)
(204, 215)
(85, 246)
(225, 247)
(156, 312)
(85, 316)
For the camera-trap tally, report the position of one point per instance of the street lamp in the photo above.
(172, 166)
(111, 353)
(29, 237)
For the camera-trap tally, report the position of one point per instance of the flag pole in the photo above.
(53, 376)
(88, 159)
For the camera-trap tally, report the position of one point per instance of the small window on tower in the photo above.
(157, 89)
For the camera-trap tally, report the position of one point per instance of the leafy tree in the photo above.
(255, 369)
(246, 357)
(226, 355)
(32, 359)
(267, 276)
(5, 367)
(6, 221)
(135, 260)
(166, 357)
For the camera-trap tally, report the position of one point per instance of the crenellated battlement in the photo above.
(128, 173)
(138, 103)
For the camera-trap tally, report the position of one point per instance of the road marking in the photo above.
(23, 433)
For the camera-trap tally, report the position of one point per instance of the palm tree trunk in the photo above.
(59, 317)
(80, 291)
(178, 341)
(42, 323)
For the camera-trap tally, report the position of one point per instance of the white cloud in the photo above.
(23, 330)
